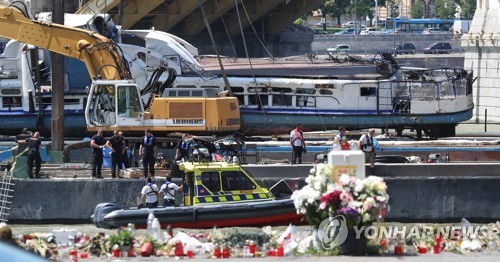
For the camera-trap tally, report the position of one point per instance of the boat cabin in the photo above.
(220, 182)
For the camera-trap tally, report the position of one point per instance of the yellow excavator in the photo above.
(114, 99)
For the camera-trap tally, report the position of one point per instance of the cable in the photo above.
(225, 28)
(227, 86)
(255, 31)
(24, 12)
(251, 66)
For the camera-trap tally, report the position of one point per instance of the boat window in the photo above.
(71, 101)
(11, 91)
(197, 93)
(172, 93)
(330, 86)
(282, 100)
(212, 92)
(211, 181)
(282, 90)
(368, 91)
(325, 92)
(236, 180)
(305, 101)
(13, 101)
(185, 93)
(241, 99)
(237, 89)
(305, 91)
(254, 100)
(257, 89)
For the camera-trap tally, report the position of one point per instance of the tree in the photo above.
(417, 10)
(445, 9)
(467, 8)
(363, 8)
(335, 8)
(393, 8)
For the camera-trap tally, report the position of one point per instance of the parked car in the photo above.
(438, 48)
(352, 24)
(339, 49)
(349, 31)
(372, 31)
(431, 31)
(405, 48)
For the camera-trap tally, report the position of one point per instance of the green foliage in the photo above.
(468, 8)
(315, 216)
(393, 8)
(335, 8)
(445, 9)
(122, 238)
(417, 10)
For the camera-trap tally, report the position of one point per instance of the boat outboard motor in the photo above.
(100, 211)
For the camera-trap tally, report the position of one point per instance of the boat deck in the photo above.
(292, 68)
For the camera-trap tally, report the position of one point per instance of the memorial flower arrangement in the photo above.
(360, 201)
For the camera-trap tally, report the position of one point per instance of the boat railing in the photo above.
(396, 97)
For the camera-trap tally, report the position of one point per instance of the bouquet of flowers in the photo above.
(360, 201)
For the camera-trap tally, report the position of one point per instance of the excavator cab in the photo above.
(112, 104)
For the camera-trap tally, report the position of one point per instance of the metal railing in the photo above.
(396, 97)
(6, 195)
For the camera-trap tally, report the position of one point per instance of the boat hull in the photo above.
(74, 123)
(256, 122)
(278, 121)
(251, 214)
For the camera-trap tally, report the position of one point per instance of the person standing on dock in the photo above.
(147, 151)
(33, 154)
(150, 194)
(97, 143)
(182, 149)
(366, 144)
(126, 143)
(117, 146)
(297, 144)
(341, 133)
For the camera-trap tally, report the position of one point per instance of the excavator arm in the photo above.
(99, 54)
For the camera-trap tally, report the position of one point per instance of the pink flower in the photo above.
(345, 198)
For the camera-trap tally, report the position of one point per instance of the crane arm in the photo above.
(99, 54)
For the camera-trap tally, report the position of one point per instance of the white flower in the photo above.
(306, 196)
(381, 199)
(344, 180)
(369, 203)
(355, 204)
(360, 185)
(380, 187)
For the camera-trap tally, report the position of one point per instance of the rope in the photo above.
(255, 31)
(250, 63)
(209, 29)
(225, 28)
